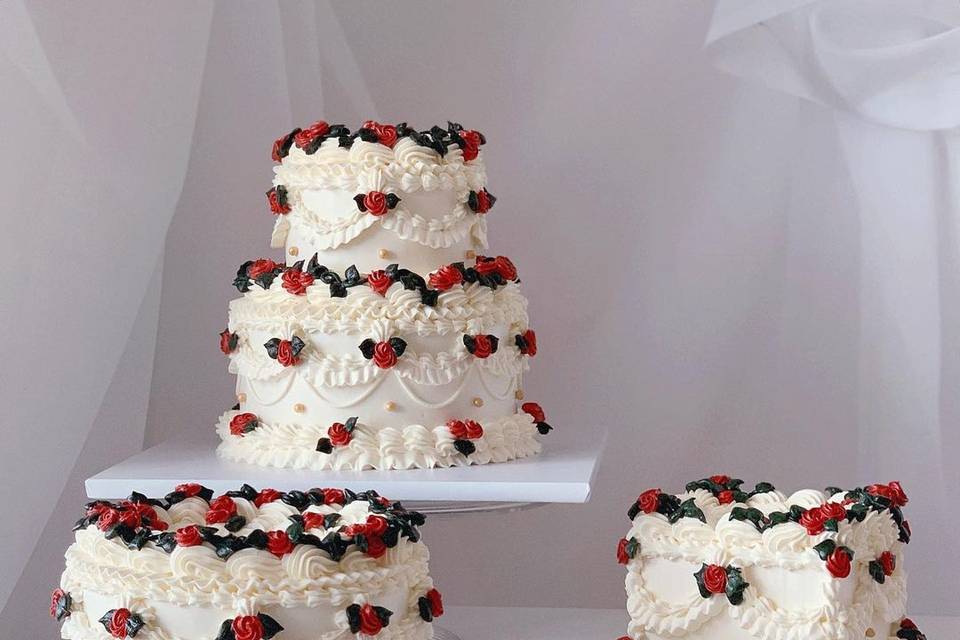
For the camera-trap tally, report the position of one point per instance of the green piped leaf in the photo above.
(876, 571)
(825, 548)
(735, 585)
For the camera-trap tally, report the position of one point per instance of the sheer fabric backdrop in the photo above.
(753, 272)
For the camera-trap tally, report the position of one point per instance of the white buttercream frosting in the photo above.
(293, 446)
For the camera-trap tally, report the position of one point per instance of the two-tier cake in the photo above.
(722, 562)
(248, 565)
(388, 339)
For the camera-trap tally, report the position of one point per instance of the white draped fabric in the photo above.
(754, 272)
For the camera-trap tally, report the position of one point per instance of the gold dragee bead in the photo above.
(518, 394)
(870, 632)
(478, 402)
(390, 405)
(384, 254)
(299, 407)
(241, 397)
(294, 251)
(470, 254)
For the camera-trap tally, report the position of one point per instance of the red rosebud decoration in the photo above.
(470, 144)
(891, 491)
(379, 281)
(338, 434)
(278, 201)
(833, 511)
(715, 579)
(296, 281)
(261, 266)
(622, 556)
(266, 496)
(812, 520)
(243, 423)
(108, 519)
(188, 536)
(376, 525)
(189, 490)
(279, 543)
(285, 352)
(386, 133)
(118, 623)
(725, 496)
(375, 547)
(465, 429)
(384, 354)
(839, 562)
(534, 410)
(314, 520)
(888, 562)
(143, 514)
(527, 343)
(376, 203)
(721, 480)
(281, 147)
(60, 604)
(436, 602)
(481, 346)
(121, 623)
(247, 628)
(501, 266)
(649, 500)
(306, 137)
(481, 201)
(228, 341)
(333, 496)
(221, 510)
(445, 278)
(367, 619)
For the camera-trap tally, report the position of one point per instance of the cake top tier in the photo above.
(380, 194)
(335, 522)
(439, 139)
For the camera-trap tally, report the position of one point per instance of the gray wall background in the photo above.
(692, 245)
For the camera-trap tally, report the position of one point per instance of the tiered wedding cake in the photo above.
(719, 562)
(323, 564)
(388, 339)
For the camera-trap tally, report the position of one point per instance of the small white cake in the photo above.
(721, 562)
(248, 565)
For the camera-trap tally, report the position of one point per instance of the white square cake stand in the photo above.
(561, 474)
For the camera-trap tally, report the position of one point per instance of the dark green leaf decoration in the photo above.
(825, 548)
(632, 548)
(735, 585)
(687, 509)
(832, 491)
(777, 517)
(831, 525)
(876, 571)
(857, 512)
(701, 585)
(762, 487)
(749, 514)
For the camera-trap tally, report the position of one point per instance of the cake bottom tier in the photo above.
(294, 446)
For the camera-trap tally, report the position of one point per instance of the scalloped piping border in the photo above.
(292, 446)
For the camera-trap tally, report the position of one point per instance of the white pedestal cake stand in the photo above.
(561, 474)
